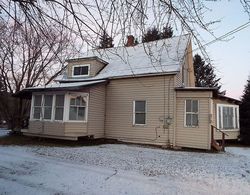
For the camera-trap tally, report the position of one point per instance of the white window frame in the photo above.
(42, 106)
(235, 123)
(67, 106)
(134, 113)
(185, 113)
(82, 65)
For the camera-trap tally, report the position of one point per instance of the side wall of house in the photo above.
(232, 133)
(193, 137)
(158, 92)
(96, 111)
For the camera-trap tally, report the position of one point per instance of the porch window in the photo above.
(48, 100)
(37, 108)
(139, 112)
(59, 107)
(227, 116)
(80, 70)
(192, 113)
(77, 108)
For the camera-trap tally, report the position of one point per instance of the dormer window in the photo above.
(80, 70)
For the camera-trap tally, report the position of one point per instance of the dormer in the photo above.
(80, 68)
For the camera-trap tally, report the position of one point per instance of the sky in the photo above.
(231, 58)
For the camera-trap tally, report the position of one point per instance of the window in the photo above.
(77, 108)
(37, 108)
(227, 116)
(59, 107)
(48, 100)
(191, 116)
(80, 70)
(139, 112)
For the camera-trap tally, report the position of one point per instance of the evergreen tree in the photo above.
(245, 114)
(106, 41)
(167, 32)
(204, 74)
(151, 35)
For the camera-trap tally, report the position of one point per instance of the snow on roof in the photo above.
(64, 85)
(156, 57)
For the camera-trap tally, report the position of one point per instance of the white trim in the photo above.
(67, 106)
(80, 65)
(234, 119)
(185, 113)
(134, 124)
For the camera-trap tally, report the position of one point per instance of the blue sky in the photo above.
(231, 58)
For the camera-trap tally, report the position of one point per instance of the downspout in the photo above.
(174, 118)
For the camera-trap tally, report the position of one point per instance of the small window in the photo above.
(139, 112)
(77, 109)
(81, 70)
(37, 108)
(191, 119)
(59, 105)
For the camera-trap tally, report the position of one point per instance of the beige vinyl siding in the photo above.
(232, 134)
(187, 68)
(95, 67)
(46, 127)
(75, 129)
(193, 137)
(119, 109)
(178, 80)
(96, 111)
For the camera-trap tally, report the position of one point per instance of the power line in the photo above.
(239, 28)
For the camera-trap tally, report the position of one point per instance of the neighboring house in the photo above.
(141, 94)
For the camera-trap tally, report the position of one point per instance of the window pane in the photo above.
(59, 100)
(188, 119)
(59, 114)
(78, 99)
(81, 113)
(73, 113)
(47, 112)
(48, 100)
(195, 106)
(140, 106)
(82, 103)
(194, 119)
(236, 118)
(77, 71)
(220, 125)
(72, 101)
(84, 70)
(37, 111)
(37, 100)
(140, 118)
(81, 70)
(188, 106)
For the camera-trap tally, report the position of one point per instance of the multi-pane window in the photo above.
(77, 108)
(59, 107)
(192, 113)
(139, 112)
(81, 70)
(37, 107)
(227, 116)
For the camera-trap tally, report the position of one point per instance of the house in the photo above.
(141, 93)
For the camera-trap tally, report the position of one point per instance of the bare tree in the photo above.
(88, 19)
(28, 58)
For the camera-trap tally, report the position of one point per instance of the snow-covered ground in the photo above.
(122, 169)
(4, 132)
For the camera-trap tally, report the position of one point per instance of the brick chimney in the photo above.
(130, 41)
